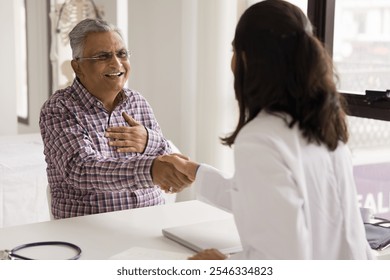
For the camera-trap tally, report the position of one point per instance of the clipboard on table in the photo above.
(218, 234)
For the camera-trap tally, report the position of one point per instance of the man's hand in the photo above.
(183, 164)
(167, 176)
(132, 138)
(208, 254)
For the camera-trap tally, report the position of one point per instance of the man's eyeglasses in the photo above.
(107, 56)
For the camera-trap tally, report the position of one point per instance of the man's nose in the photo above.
(115, 60)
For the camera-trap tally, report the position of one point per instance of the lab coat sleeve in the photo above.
(268, 205)
(213, 187)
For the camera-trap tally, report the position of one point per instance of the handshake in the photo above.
(173, 172)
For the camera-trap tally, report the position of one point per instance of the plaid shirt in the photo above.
(85, 174)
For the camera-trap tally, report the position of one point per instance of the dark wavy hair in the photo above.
(281, 67)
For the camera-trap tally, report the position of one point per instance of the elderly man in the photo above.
(103, 145)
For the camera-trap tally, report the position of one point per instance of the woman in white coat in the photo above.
(293, 194)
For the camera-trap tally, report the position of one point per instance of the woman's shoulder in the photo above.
(267, 125)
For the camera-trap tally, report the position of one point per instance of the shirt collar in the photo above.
(89, 100)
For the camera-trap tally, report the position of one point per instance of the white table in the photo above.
(102, 236)
(23, 180)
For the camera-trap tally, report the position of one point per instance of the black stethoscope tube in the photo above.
(13, 255)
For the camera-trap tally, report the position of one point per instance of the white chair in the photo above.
(48, 195)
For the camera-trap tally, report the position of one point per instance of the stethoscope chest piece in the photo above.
(4, 255)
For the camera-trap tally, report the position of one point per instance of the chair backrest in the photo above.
(48, 196)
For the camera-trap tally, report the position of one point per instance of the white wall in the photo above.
(155, 42)
(215, 113)
(115, 12)
(181, 64)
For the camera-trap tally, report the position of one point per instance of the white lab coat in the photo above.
(290, 199)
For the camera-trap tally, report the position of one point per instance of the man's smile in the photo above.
(114, 74)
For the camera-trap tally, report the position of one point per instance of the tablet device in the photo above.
(218, 234)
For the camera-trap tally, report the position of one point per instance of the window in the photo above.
(302, 4)
(361, 53)
(361, 48)
(357, 35)
(21, 65)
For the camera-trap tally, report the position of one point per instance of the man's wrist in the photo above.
(143, 171)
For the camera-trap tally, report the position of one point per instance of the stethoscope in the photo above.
(12, 254)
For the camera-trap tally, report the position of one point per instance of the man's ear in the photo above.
(76, 68)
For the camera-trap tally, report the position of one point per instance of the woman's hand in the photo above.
(208, 254)
(182, 164)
